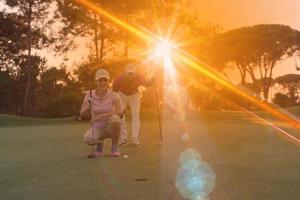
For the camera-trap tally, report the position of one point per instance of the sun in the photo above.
(163, 49)
(163, 52)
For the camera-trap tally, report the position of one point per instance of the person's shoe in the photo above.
(115, 152)
(135, 142)
(98, 152)
(123, 143)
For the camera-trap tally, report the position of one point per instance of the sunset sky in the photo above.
(231, 14)
(235, 13)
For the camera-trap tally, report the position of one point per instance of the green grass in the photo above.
(46, 159)
(295, 110)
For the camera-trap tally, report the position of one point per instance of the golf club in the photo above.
(158, 112)
(91, 155)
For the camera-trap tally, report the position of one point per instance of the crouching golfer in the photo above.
(106, 113)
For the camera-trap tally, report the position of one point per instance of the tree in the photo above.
(64, 91)
(132, 12)
(37, 65)
(256, 48)
(12, 38)
(291, 84)
(34, 16)
(281, 100)
(5, 83)
(13, 45)
(81, 21)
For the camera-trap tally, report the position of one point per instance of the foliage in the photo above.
(11, 30)
(5, 82)
(14, 82)
(85, 71)
(33, 19)
(26, 80)
(290, 84)
(58, 94)
(83, 22)
(256, 48)
(281, 100)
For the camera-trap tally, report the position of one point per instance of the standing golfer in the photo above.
(106, 113)
(127, 84)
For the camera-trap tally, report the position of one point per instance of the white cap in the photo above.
(102, 73)
(130, 68)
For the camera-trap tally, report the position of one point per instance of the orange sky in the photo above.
(235, 13)
(231, 14)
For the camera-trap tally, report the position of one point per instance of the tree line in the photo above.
(29, 86)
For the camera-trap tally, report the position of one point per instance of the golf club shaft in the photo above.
(158, 112)
(90, 103)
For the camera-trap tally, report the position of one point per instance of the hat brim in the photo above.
(97, 78)
(130, 71)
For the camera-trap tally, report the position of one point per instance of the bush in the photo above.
(281, 100)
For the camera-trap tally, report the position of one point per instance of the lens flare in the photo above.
(163, 52)
(199, 196)
(194, 179)
(163, 48)
(190, 61)
(189, 154)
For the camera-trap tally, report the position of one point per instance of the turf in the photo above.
(46, 159)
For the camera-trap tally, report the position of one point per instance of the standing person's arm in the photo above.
(145, 82)
(117, 82)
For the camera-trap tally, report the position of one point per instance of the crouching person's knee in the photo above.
(115, 119)
(115, 125)
(87, 138)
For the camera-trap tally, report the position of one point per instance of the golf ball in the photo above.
(125, 156)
